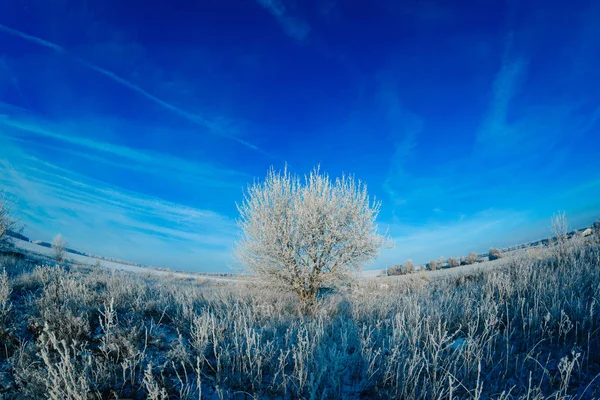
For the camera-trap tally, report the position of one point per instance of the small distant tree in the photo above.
(472, 258)
(596, 227)
(560, 230)
(310, 233)
(59, 247)
(560, 227)
(401, 269)
(453, 262)
(407, 269)
(394, 270)
(7, 222)
(495, 254)
(432, 266)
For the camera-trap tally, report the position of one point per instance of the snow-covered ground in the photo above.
(79, 259)
(372, 273)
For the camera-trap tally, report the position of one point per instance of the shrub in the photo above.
(59, 247)
(453, 262)
(495, 254)
(395, 270)
(596, 227)
(472, 258)
(307, 234)
(5, 291)
(432, 266)
(560, 227)
(7, 222)
(401, 269)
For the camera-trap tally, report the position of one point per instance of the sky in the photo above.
(133, 128)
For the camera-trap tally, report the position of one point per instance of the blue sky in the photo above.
(133, 127)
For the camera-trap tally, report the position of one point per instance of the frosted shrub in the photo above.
(495, 254)
(5, 291)
(62, 304)
(559, 227)
(155, 392)
(394, 270)
(401, 269)
(59, 247)
(432, 266)
(560, 230)
(7, 222)
(306, 234)
(453, 262)
(472, 258)
(596, 227)
(68, 368)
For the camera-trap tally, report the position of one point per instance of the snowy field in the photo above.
(83, 260)
(90, 261)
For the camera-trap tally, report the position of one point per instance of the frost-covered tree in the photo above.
(307, 233)
(560, 227)
(433, 264)
(472, 258)
(7, 222)
(495, 254)
(453, 262)
(59, 247)
(596, 227)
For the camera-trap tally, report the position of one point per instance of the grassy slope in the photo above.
(525, 327)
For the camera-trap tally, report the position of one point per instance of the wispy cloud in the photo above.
(477, 232)
(28, 130)
(495, 130)
(539, 126)
(214, 126)
(292, 26)
(13, 79)
(404, 127)
(110, 221)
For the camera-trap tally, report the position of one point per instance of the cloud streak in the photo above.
(211, 126)
(15, 126)
(102, 219)
(404, 128)
(294, 27)
(495, 130)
